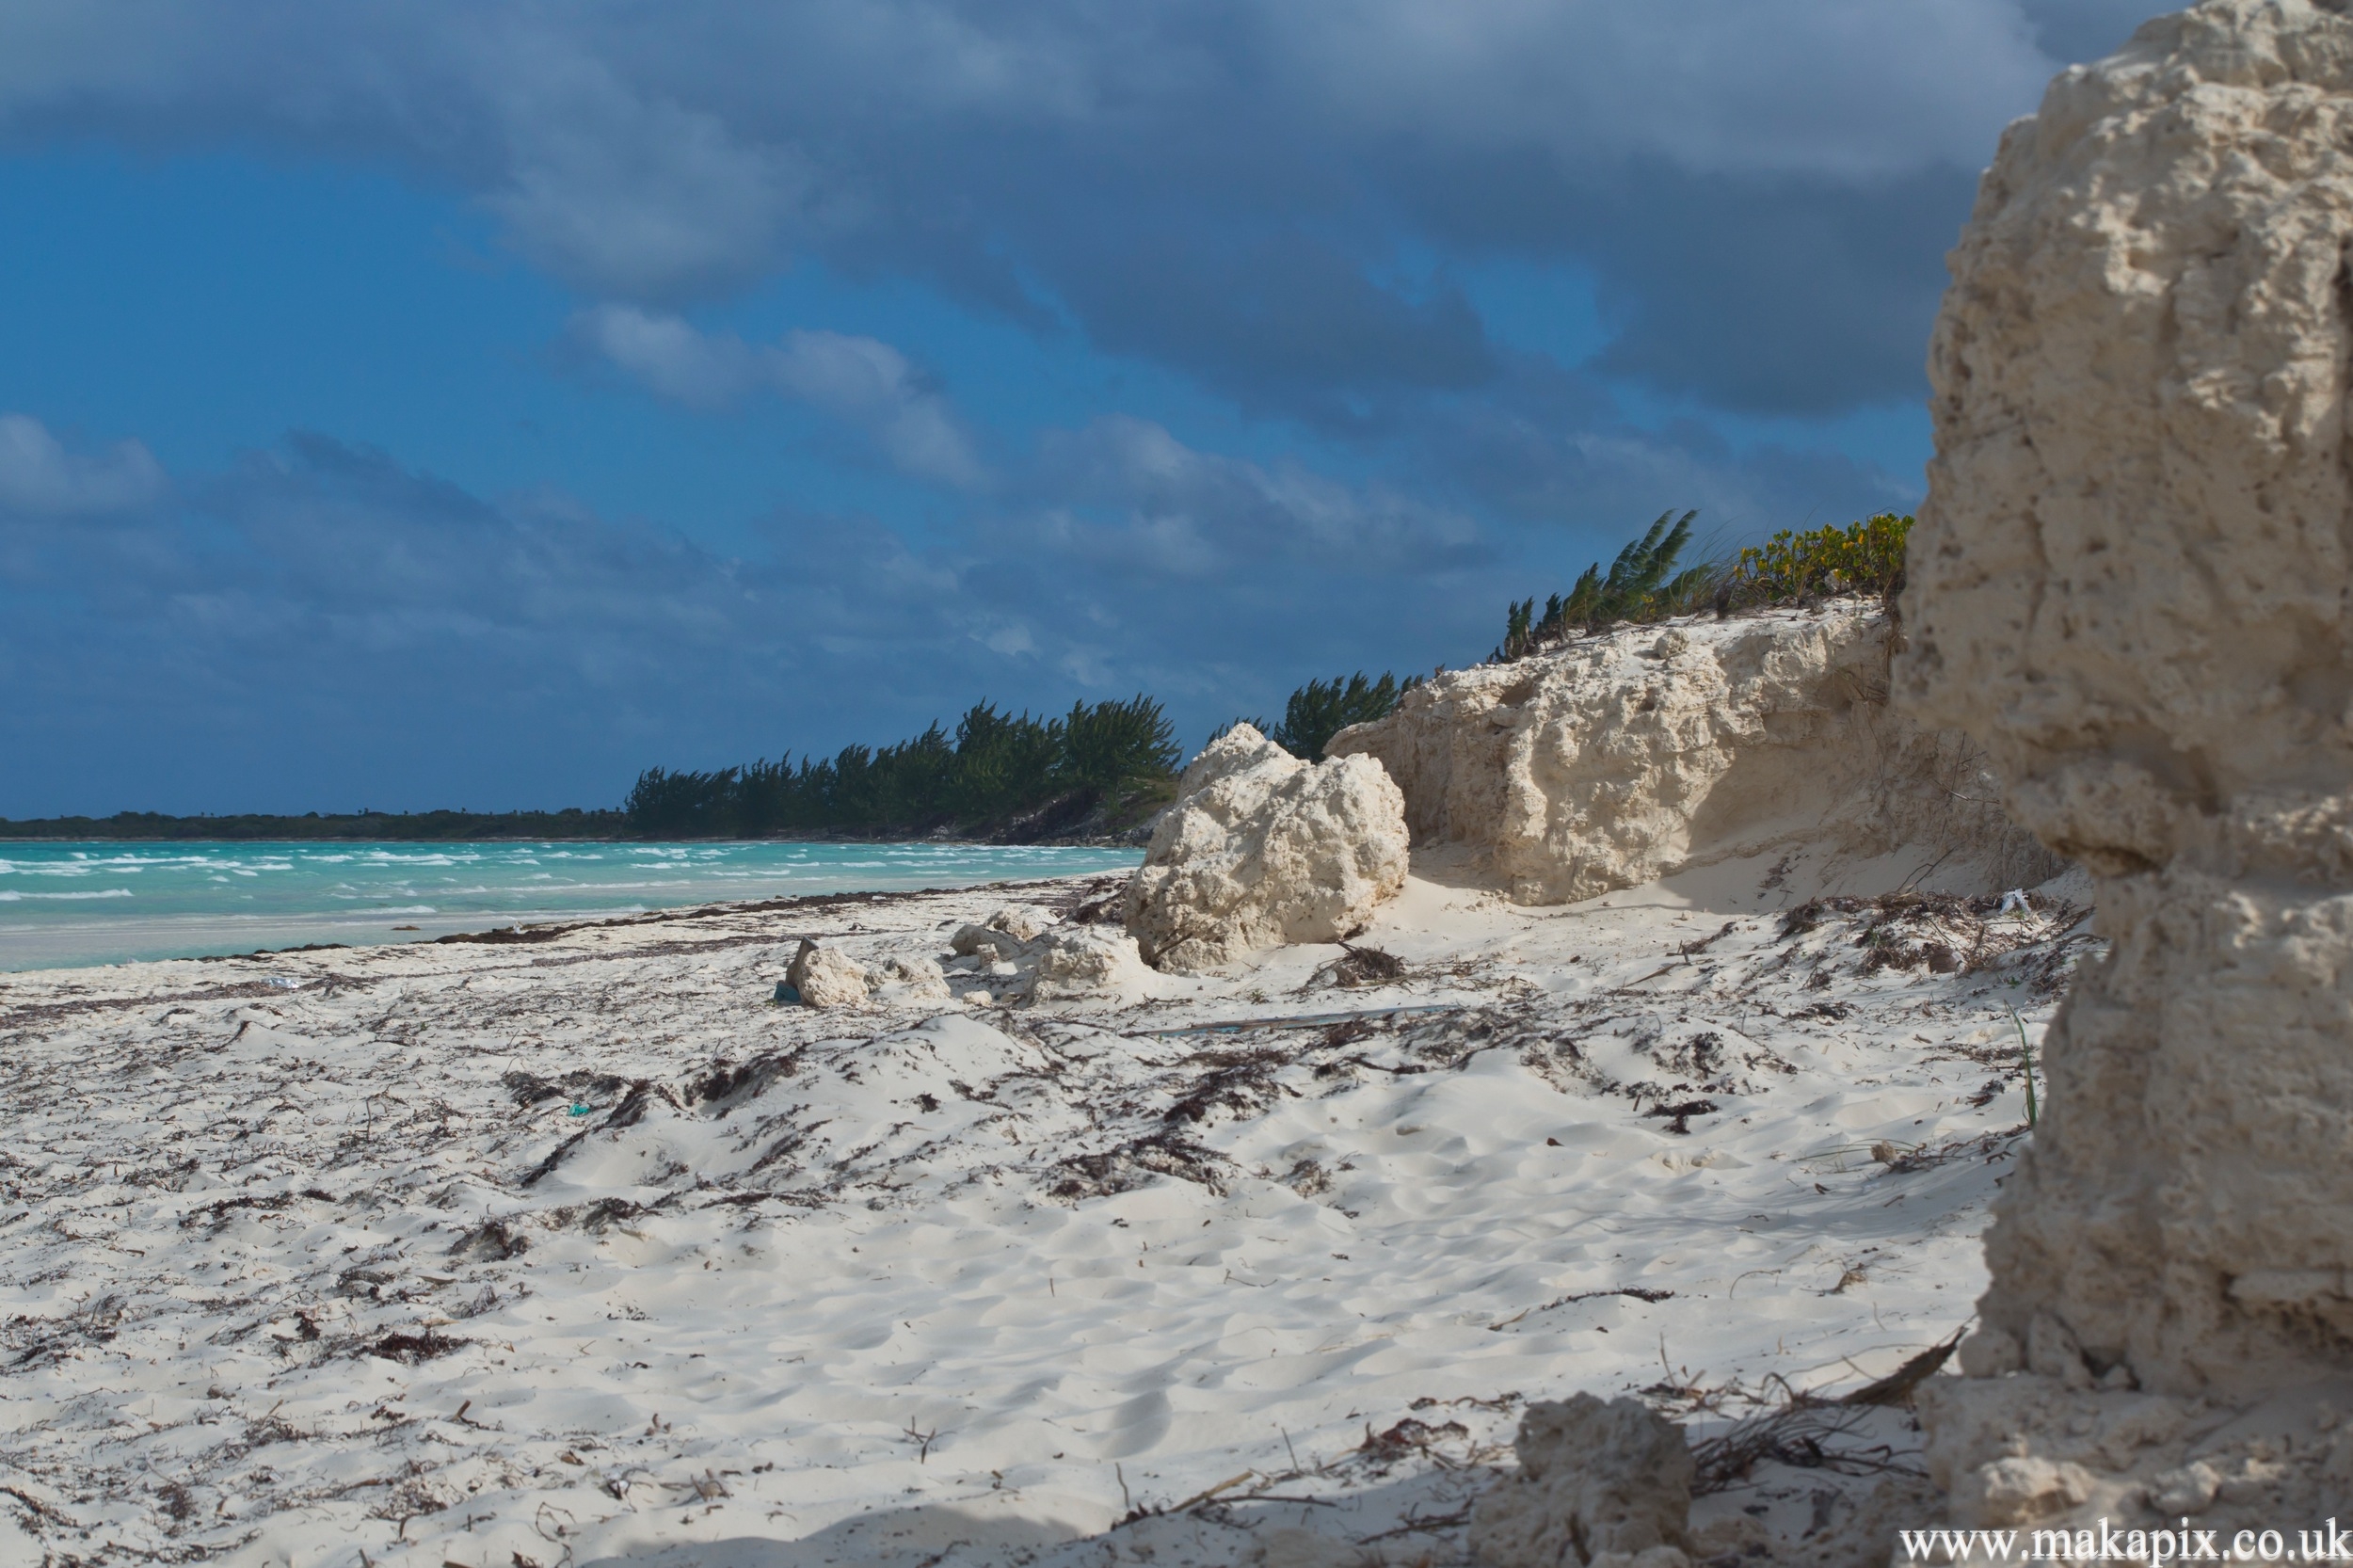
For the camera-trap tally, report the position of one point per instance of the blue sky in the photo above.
(434, 403)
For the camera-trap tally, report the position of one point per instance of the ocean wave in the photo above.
(10, 896)
(208, 896)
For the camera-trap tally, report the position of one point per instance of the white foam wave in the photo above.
(13, 897)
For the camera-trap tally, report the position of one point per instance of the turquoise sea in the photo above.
(75, 904)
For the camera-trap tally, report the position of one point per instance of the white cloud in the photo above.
(1201, 514)
(670, 357)
(39, 478)
(862, 381)
(1011, 640)
(640, 198)
(871, 384)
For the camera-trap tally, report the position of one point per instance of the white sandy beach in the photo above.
(582, 1250)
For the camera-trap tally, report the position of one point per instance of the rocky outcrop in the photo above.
(1262, 849)
(1647, 751)
(825, 978)
(1599, 1485)
(2131, 583)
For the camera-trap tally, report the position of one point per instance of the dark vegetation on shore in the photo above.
(434, 826)
(1099, 772)
(1321, 708)
(1089, 774)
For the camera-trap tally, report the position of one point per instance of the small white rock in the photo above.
(825, 978)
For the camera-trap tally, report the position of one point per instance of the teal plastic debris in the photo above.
(788, 993)
(583, 1111)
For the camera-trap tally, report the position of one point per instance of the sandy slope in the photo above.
(312, 1257)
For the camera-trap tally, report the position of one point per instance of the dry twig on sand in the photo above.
(1804, 1433)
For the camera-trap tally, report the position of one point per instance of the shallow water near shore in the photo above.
(69, 904)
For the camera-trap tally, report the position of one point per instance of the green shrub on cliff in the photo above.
(1866, 557)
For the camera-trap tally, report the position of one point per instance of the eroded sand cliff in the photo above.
(1653, 750)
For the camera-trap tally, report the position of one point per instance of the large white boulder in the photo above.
(1262, 849)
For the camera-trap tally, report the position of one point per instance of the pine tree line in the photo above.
(998, 766)
(1321, 708)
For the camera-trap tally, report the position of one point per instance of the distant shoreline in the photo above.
(382, 826)
(473, 827)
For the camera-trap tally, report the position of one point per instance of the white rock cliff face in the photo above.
(1262, 849)
(1649, 750)
(2130, 582)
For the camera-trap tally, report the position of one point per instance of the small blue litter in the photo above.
(583, 1111)
(788, 993)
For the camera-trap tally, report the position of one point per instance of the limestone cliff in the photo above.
(2133, 581)
(1654, 749)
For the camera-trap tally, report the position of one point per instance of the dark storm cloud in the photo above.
(1283, 320)
(1785, 295)
(1222, 187)
(1781, 297)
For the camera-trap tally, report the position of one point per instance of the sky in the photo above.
(471, 403)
